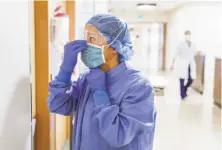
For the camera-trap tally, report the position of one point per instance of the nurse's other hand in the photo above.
(96, 78)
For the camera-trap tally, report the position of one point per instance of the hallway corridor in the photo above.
(193, 124)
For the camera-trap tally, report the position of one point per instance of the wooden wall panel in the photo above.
(70, 9)
(42, 140)
(164, 47)
(198, 83)
(217, 82)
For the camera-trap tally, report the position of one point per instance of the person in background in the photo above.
(185, 63)
(114, 104)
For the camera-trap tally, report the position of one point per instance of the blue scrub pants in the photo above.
(183, 88)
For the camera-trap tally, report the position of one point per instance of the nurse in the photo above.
(185, 63)
(114, 104)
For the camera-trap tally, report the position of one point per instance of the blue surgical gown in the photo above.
(127, 122)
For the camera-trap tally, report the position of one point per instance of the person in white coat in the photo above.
(185, 64)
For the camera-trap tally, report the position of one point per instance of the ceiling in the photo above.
(129, 6)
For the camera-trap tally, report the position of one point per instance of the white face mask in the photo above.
(187, 37)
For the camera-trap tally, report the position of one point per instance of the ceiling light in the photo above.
(143, 6)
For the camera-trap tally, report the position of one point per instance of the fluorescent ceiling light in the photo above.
(143, 6)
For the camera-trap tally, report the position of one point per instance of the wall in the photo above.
(144, 18)
(140, 47)
(32, 49)
(15, 110)
(32, 63)
(146, 46)
(101, 6)
(202, 19)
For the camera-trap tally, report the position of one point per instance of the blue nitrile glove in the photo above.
(96, 79)
(71, 51)
(97, 82)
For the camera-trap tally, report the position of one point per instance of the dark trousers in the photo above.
(183, 88)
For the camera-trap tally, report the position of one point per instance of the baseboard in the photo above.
(217, 104)
(198, 90)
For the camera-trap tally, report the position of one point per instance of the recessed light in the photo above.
(146, 6)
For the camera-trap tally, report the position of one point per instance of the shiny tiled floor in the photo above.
(194, 124)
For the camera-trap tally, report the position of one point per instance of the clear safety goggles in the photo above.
(97, 38)
(94, 38)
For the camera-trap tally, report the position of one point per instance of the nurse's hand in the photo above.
(96, 79)
(71, 51)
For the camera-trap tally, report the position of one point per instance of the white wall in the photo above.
(146, 46)
(134, 18)
(202, 19)
(101, 6)
(140, 48)
(15, 102)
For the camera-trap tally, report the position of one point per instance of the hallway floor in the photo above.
(193, 124)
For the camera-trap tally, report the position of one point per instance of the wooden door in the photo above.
(217, 82)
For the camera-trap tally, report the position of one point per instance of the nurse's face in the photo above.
(93, 36)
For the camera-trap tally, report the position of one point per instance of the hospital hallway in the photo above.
(168, 41)
(193, 124)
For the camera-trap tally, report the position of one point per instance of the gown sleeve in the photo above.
(63, 97)
(119, 124)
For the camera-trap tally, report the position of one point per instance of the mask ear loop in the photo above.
(116, 37)
(105, 46)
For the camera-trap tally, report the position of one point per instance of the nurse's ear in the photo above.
(113, 51)
(115, 54)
